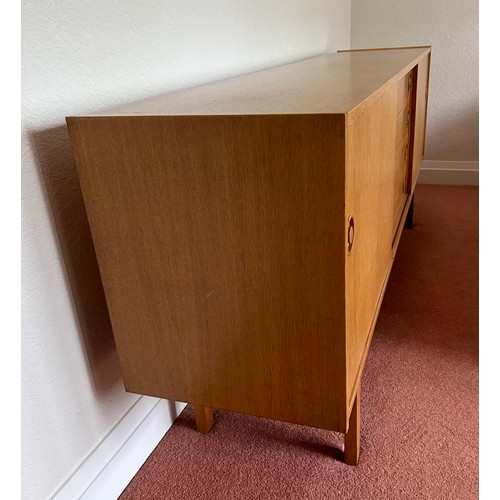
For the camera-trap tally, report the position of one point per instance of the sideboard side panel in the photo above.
(370, 167)
(219, 241)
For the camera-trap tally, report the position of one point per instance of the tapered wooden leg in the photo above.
(352, 438)
(409, 215)
(204, 416)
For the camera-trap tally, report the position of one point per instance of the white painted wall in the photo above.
(452, 28)
(79, 57)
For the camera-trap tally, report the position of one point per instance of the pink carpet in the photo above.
(419, 399)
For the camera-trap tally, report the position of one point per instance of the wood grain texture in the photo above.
(352, 440)
(220, 220)
(204, 416)
(420, 107)
(216, 242)
(334, 83)
(403, 121)
(404, 138)
(400, 182)
(404, 92)
(370, 166)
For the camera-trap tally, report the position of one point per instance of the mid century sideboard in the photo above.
(245, 231)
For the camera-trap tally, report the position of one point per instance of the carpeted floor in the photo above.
(419, 399)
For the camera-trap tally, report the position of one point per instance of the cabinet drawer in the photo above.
(404, 91)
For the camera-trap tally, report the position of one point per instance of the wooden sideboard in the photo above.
(245, 231)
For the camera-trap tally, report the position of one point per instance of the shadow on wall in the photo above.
(62, 187)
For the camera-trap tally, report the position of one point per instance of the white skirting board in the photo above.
(105, 473)
(449, 172)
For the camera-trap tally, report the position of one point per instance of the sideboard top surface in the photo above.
(333, 83)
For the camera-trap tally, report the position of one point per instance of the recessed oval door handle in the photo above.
(350, 233)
